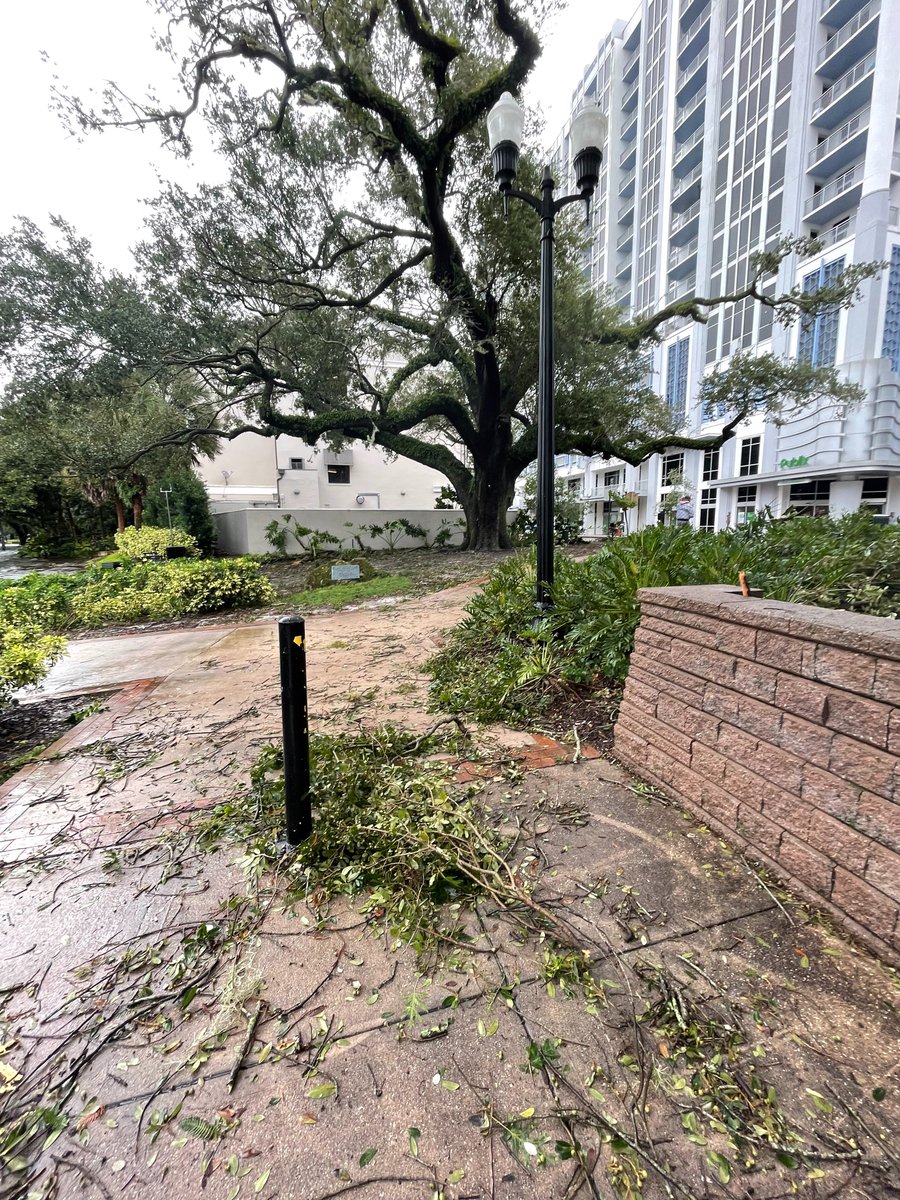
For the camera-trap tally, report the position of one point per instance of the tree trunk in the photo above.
(485, 508)
(137, 507)
(120, 515)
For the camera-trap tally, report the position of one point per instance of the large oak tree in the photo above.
(354, 277)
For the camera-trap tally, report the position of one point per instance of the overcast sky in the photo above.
(98, 184)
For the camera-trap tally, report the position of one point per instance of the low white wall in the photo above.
(243, 530)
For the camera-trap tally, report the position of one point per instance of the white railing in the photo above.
(627, 180)
(629, 152)
(853, 126)
(681, 114)
(847, 31)
(682, 185)
(680, 253)
(629, 96)
(836, 188)
(679, 220)
(686, 287)
(681, 148)
(630, 120)
(842, 230)
(629, 204)
(630, 61)
(689, 33)
(894, 216)
(623, 267)
(694, 65)
(853, 76)
(624, 240)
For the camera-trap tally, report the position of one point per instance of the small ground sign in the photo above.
(341, 571)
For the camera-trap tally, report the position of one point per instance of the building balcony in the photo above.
(691, 10)
(689, 116)
(688, 154)
(626, 241)
(839, 148)
(836, 197)
(848, 45)
(839, 233)
(630, 67)
(626, 212)
(683, 260)
(685, 224)
(623, 269)
(627, 157)
(835, 13)
(894, 217)
(693, 77)
(844, 97)
(623, 299)
(693, 37)
(629, 127)
(686, 191)
(678, 291)
(626, 185)
(630, 99)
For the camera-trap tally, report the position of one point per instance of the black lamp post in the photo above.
(506, 122)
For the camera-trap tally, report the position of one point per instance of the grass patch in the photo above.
(340, 594)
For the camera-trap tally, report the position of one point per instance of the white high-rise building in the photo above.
(733, 122)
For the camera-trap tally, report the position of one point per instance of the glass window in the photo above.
(611, 479)
(890, 345)
(296, 464)
(708, 507)
(817, 344)
(745, 509)
(672, 464)
(338, 473)
(749, 458)
(874, 495)
(676, 379)
(710, 464)
(810, 499)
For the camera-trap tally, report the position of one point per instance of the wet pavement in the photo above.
(14, 567)
(200, 1034)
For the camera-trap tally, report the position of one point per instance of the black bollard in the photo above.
(295, 724)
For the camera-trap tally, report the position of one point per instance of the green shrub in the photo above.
(137, 592)
(496, 666)
(26, 654)
(151, 541)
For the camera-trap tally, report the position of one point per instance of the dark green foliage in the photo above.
(189, 503)
(137, 592)
(568, 516)
(496, 666)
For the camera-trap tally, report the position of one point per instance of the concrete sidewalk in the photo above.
(720, 1015)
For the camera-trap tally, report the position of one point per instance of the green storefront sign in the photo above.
(800, 461)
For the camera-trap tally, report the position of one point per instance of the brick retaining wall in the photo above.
(779, 724)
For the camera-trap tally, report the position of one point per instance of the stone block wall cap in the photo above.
(878, 636)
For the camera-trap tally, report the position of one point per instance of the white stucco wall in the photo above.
(242, 531)
(246, 473)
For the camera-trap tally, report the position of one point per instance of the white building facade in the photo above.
(732, 123)
(284, 472)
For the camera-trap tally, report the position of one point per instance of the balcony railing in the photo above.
(842, 184)
(680, 253)
(682, 185)
(853, 126)
(630, 61)
(682, 114)
(681, 148)
(694, 65)
(628, 206)
(629, 96)
(687, 287)
(624, 240)
(627, 181)
(682, 219)
(843, 230)
(695, 28)
(847, 31)
(853, 76)
(894, 216)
